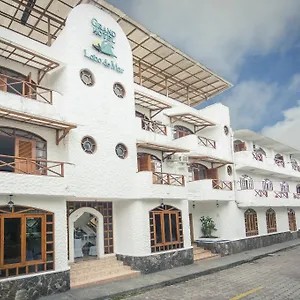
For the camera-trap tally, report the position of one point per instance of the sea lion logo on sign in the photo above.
(104, 46)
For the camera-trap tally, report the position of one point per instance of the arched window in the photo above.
(181, 131)
(284, 187)
(271, 220)
(17, 83)
(166, 231)
(294, 164)
(27, 243)
(197, 172)
(259, 153)
(267, 185)
(298, 189)
(246, 183)
(239, 146)
(292, 220)
(279, 160)
(22, 151)
(251, 222)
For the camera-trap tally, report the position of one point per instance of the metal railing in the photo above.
(258, 156)
(221, 185)
(296, 195)
(25, 88)
(281, 194)
(23, 165)
(279, 162)
(261, 193)
(206, 142)
(168, 179)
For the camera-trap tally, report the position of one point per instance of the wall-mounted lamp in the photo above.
(162, 205)
(10, 202)
(194, 204)
(217, 204)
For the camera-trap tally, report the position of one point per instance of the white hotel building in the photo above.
(105, 164)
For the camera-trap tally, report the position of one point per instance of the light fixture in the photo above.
(10, 202)
(162, 205)
(194, 205)
(217, 204)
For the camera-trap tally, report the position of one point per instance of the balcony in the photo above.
(207, 142)
(154, 126)
(25, 89)
(209, 190)
(256, 162)
(33, 176)
(159, 185)
(262, 198)
(296, 195)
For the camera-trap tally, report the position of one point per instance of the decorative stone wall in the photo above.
(158, 262)
(232, 247)
(34, 287)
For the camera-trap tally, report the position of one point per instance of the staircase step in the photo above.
(205, 255)
(200, 250)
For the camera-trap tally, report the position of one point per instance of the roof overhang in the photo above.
(191, 118)
(35, 120)
(215, 161)
(267, 142)
(150, 102)
(157, 64)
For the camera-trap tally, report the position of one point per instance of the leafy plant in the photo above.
(207, 226)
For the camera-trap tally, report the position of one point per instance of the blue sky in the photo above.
(253, 44)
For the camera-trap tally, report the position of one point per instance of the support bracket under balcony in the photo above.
(167, 156)
(61, 134)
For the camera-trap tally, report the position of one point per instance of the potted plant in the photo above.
(207, 226)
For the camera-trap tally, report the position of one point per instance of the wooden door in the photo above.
(191, 228)
(25, 151)
(196, 174)
(144, 163)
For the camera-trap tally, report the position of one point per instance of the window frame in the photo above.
(292, 220)
(251, 224)
(31, 266)
(165, 245)
(271, 220)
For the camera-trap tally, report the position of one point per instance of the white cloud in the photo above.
(286, 131)
(249, 103)
(220, 33)
(295, 83)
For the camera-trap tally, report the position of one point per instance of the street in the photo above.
(274, 277)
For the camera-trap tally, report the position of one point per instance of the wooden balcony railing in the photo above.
(296, 195)
(25, 88)
(22, 165)
(153, 126)
(168, 179)
(279, 162)
(258, 156)
(281, 194)
(261, 193)
(221, 185)
(206, 142)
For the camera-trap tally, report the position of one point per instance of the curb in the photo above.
(134, 291)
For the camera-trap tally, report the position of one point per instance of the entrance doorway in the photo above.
(86, 238)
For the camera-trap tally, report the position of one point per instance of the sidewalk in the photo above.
(168, 277)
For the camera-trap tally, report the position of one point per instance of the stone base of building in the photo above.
(158, 262)
(34, 287)
(232, 247)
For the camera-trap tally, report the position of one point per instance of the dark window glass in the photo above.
(158, 229)
(7, 148)
(14, 86)
(33, 239)
(12, 241)
(167, 228)
(174, 227)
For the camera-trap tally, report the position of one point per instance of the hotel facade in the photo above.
(106, 166)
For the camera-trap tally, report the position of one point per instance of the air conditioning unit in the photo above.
(178, 158)
(183, 159)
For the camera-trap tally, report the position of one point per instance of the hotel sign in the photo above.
(105, 46)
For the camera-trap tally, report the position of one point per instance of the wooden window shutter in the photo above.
(3, 82)
(243, 147)
(25, 150)
(144, 163)
(196, 173)
(212, 174)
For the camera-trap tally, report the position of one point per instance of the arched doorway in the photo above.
(86, 237)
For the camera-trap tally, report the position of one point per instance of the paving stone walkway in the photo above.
(170, 277)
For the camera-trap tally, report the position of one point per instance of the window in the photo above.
(239, 146)
(197, 172)
(279, 160)
(226, 130)
(119, 90)
(229, 170)
(27, 245)
(284, 187)
(87, 77)
(258, 153)
(298, 189)
(16, 144)
(181, 131)
(251, 222)
(148, 162)
(88, 145)
(246, 183)
(267, 185)
(294, 164)
(271, 221)
(121, 151)
(292, 220)
(166, 231)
